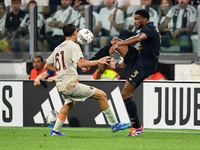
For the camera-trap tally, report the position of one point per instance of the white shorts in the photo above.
(80, 93)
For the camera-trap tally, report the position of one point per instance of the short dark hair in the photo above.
(143, 13)
(69, 29)
(32, 1)
(16, 1)
(38, 56)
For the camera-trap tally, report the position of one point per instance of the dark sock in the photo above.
(102, 52)
(132, 112)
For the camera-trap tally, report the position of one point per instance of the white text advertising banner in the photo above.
(11, 103)
(171, 105)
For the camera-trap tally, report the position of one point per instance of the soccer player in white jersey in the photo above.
(64, 60)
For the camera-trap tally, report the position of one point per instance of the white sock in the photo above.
(110, 116)
(58, 125)
(59, 122)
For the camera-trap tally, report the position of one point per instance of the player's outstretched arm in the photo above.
(84, 63)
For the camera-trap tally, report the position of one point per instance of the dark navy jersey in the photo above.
(13, 21)
(149, 48)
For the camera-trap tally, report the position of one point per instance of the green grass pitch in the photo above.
(36, 138)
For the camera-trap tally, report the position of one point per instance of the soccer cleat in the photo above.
(121, 61)
(51, 125)
(54, 133)
(135, 132)
(85, 69)
(120, 126)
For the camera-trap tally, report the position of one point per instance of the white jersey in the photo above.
(65, 16)
(191, 15)
(104, 15)
(26, 23)
(65, 58)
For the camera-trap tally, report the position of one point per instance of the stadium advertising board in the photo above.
(38, 101)
(171, 105)
(11, 104)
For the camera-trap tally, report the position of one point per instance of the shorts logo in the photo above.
(91, 87)
(135, 74)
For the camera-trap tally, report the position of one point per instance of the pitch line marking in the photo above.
(99, 129)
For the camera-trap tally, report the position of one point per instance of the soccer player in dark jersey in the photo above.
(140, 62)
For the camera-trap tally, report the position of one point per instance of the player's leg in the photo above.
(130, 104)
(131, 109)
(105, 50)
(122, 49)
(103, 103)
(62, 116)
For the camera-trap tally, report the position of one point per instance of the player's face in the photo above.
(145, 2)
(139, 21)
(75, 34)
(183, 3)
(112, 64)
(37, 63)
(15, 5)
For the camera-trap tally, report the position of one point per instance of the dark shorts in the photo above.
(133, 72)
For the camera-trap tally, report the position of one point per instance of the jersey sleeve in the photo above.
(23, 23)
(119, 17)
(146, 31)
(76, 53)
(50, 59)
(171, 12)
(51, 73)
(193, 15)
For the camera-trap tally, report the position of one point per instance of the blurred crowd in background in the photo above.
(175, 19)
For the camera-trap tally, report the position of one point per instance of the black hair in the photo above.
(69, 29)
(143, 13)
(32, 1)
(39, 57)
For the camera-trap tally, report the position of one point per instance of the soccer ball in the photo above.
(51, 116)
(85, 37)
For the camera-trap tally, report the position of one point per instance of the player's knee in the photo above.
(103, 95)
(125, 95)
(115, 40)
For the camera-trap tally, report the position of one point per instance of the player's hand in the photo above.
(104, 60)
(113, 49)
(36, 82)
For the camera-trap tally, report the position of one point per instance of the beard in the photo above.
(139, 27)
